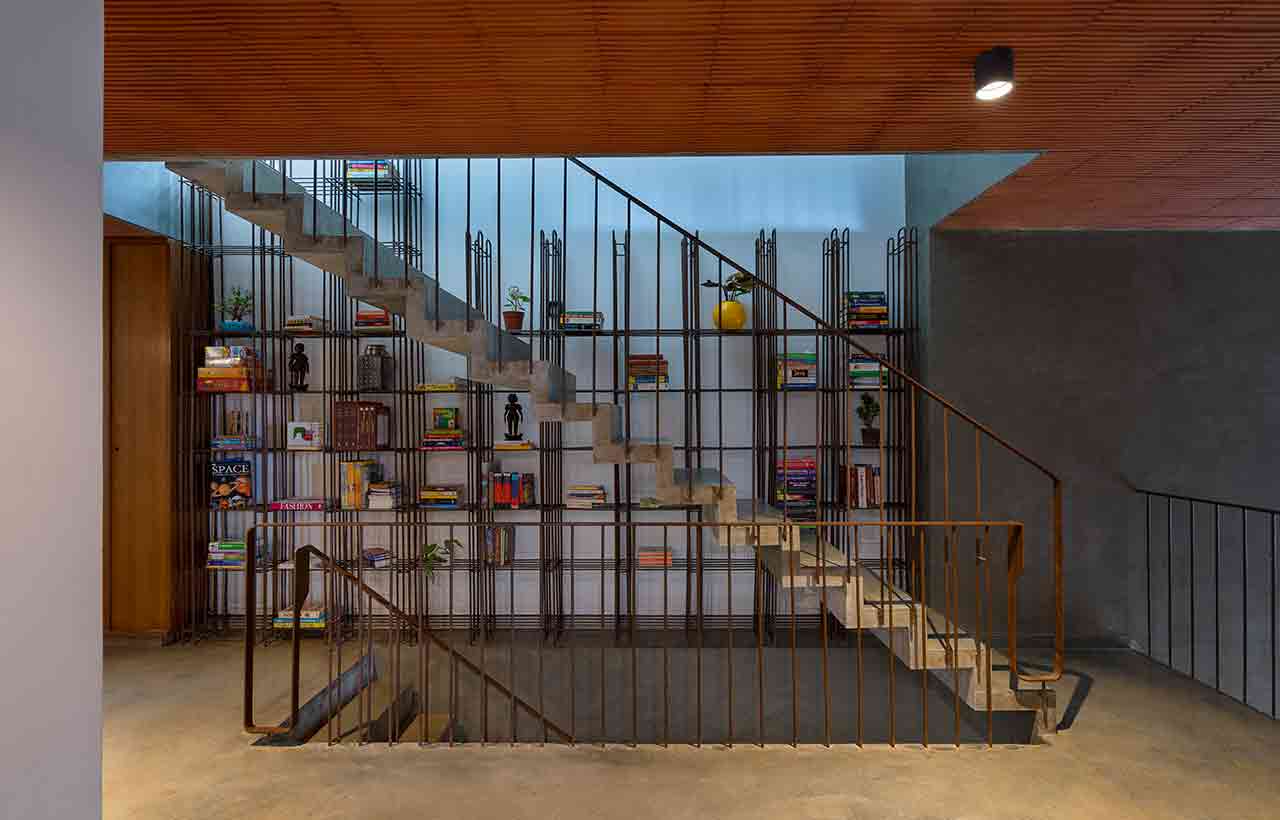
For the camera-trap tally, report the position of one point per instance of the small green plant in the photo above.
(516, 300)
(238, 305)
(868, 410)
(433, 555)
(739, 284)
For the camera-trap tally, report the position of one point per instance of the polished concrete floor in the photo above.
(1142, 743)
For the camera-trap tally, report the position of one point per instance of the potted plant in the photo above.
(868, 411)
(729, 314)
(433, 555)
(513, 316)
(236, 310)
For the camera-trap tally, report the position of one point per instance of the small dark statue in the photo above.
(299, 367)
(514, 416)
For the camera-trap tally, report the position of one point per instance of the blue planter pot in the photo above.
(236, 326)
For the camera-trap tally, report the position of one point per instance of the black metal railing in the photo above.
(1210, 582)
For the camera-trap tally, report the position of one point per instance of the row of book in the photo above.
(500, 544)
(796, 489)
(582, 320)
(440, 497)
(866, 309)
(512, 490)
(647, 371)
(864, 486)
(230, 369)
(369, 320)
(304, 323)
(798, 371)
(586, 497)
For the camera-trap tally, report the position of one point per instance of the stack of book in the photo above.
(513, 446)
(312, 617)
(586, 497)
(653, 557)
(437, 440)
(797, 488)
(798, 371)
(304, 435)
(357, 476)
(229, 369)
(513, 490)
(364, 171)
(372, 320)
(866, 372)
(866, 309)
(646, 371)
(241, 441)
(298, 505)
(226, 555)
(304, 323)
(864, 486)
(384, 495)
(439, 497)
(582, 320)
(377, 556)
(499, 544)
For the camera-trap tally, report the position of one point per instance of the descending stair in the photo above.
(374, 274)
(918, 635)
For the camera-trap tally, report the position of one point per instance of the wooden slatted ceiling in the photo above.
(1150, 114)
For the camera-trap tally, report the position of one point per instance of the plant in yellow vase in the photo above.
(729, 314)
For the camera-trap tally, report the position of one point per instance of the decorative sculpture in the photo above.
(514, 415)
(299, 367)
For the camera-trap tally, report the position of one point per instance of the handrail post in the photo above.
(250, 622)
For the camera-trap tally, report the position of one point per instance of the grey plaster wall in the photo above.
(936, 185)
(1123, 360)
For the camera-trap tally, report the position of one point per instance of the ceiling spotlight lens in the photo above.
(993, 73)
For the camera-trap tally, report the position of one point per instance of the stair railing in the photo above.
(301, 590)
(981, 431)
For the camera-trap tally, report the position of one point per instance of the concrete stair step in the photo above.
(762, 526)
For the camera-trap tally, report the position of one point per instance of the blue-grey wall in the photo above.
(1125, 359)
(142, 193)
(936, 185)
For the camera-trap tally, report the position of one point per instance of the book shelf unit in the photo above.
(221, 253)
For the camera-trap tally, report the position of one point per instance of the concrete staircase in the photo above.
(312, 231)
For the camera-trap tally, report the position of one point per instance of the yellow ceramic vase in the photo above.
(729, 315)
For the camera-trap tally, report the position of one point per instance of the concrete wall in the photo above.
(51, 361)
(936, 185)
(1125, 359)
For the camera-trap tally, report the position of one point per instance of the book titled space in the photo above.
(230, 484)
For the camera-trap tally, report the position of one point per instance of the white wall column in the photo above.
(51, 409)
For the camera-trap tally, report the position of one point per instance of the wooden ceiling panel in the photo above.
(1147, 114)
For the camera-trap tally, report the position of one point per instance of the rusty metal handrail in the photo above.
(1058, 549)
(301, 588)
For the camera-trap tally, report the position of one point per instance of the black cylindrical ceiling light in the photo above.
(993, 73)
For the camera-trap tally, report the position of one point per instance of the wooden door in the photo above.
(140, 399)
